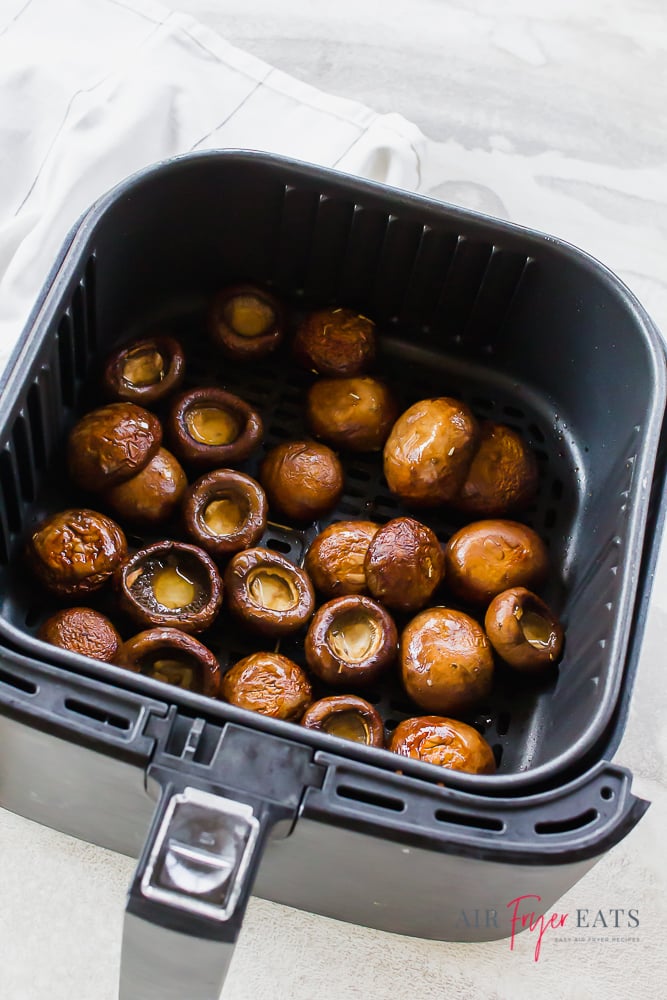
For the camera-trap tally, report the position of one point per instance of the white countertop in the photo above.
(553, 115)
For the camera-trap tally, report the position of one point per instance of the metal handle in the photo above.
(188, 896)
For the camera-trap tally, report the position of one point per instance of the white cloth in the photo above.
(136, 84)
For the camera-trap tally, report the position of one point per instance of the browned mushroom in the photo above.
(404, 564)
(145, 371)
(351, 641)
(170, 584)
(335, 560)
(348, 717)
(84, 631)
(523, 630)
(171, 656)
(353, 414)
(76, 551)
(245, 322)
(446, 661)
(429, 451)
(111, 444)
(224, 512)
(503, 476)
(210, 428)
(335, 342)
(153, 495)
(445, 742)
(303, 479)
(486, 557)
(270, 684)
(268, 593)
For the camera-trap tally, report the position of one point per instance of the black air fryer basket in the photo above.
(527, 330)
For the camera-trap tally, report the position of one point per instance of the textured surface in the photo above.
(554, 118)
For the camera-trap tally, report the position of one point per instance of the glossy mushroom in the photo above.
(446, 661)
(348, 717)
(404, 564)
(144, 371)
(170, 584)
(151, 496)
(335, 342)
(351, 641)
(353, 414)
(335, 560)
(444, 742)
(245, 322)
(523, 630)
(75, 552)
(224, 512)
(173, 657)
(84, 631)
(429, 451)
(110, 444)
(211, 428)
(486, 557)
(503, 476)
(303, 479)
(268, 593)
(270, 684)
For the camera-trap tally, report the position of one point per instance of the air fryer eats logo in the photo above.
(581, 926)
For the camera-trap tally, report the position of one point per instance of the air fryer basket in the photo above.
(530, 332)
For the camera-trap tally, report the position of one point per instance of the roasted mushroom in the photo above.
(225, 512)
(171, 656)
(144, 371)
(84, 631)
(268, 593)
(523, 630)
(351, 641)
(429, 451)
(335, 560)
(209, 428)
(170, 584)
(303, 479)
(404, 564)
(270, 684)
(335, 342)
(348, 717)
(353, 414)
(153, 495)
(503, 476)
(445, 742)
(76, 551)
(245, 322)
(111, 444)
(446, 661)
(486, 557)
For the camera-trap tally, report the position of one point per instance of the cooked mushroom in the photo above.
(153, 495)
(404, 564)
(351, 641)
(335, 560)
(503, 476)
(353, 414)
(210, 428)
(84, 631)
(445, 742)
(245, 322)
(268, 593)
(145, 371)
(76, 551)
(446, 661)
(171, 656)
(111, 444)
(224, 512)
(348, 717)
(429, 451)
(303, 479)
(486, 557)
(335, 342)
(270, 684)
(170, 584)
(523, 630)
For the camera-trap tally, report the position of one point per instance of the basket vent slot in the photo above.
(24, 458)
(370, 798)
(399, 249)
(546, 827)
(11, 495)
(299, 217)
(38, 434)
(491, 823)
(365, 241)
(65, 338)
(102, 715)
(432, 261)
(18, 682)
(330, 235)
(461, 287)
